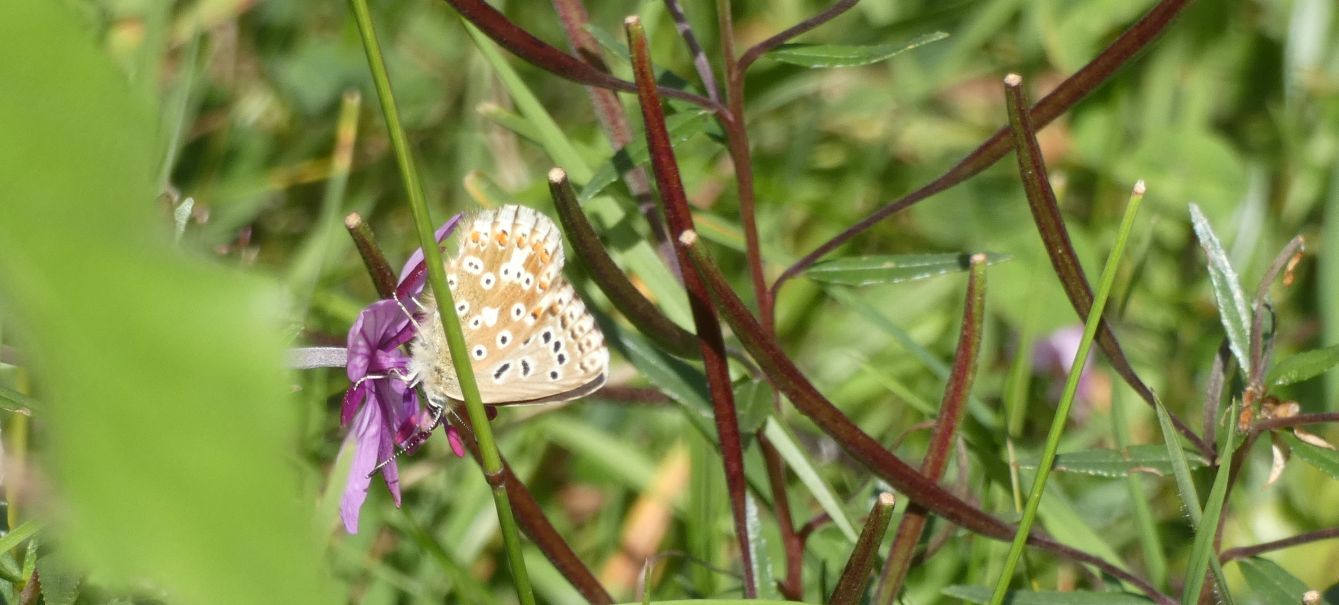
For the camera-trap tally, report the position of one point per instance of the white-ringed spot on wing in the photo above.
(476, 322)
(525, 366)
(562, 359)
(517, 311)
(479, 352)
(462, 307)
(451, 281)
(503, 338)
(473, 264)
(487, 280)
(527, 281)
(554, 375)
(501, 371)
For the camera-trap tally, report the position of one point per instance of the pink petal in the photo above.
(365, 439)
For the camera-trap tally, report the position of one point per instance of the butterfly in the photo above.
(530, 337)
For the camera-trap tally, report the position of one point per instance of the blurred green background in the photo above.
(177, 460)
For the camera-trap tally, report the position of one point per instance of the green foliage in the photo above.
(169, 199)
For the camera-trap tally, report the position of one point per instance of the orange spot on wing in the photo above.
(502, 238)
(474, 236)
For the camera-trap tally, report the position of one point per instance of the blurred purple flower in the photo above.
(1054, 356)
(381, 409)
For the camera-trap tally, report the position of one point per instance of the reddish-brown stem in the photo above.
(1243, 552)
(737, 143)
(950, 415)
(851, 584)
(537, 527)
(383, 277)
(792, 586)
(787, 378)
(763, 47)
(1213, 392)
(711, 342)
(1060, 100)
(544, 56)
(1051, 226)
(612, 120)
(1269, 424)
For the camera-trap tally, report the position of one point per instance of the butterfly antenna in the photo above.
(413, 441)
(396, 297)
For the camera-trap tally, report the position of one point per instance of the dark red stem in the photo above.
(1046, 214)
(544, 56)
(1243, 552)
(711, 342)
(950, 415)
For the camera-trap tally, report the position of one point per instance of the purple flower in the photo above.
(1054, 356)
(381, 409)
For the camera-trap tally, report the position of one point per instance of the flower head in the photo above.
(381, 407)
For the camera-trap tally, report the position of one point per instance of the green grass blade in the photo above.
(1067, 398)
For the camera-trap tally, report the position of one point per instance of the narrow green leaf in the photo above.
(893, 268)
(16, 536)
(1150, 459)
(1304, 366)
(1201, 551)
(800, 463)
(1226, 289)
(842, 55)
(681, 126)
(1271, 583)
(1327, 461)
(981, 594)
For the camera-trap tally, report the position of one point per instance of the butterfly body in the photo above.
(529, 336)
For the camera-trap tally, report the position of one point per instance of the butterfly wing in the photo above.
(530, 337)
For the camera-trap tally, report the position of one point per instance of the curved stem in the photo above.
(544, 56)
(711, 341)
(1243, 552)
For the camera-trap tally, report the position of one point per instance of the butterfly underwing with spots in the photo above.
(530, 337)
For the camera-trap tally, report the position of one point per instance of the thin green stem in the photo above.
(1067, 398)
(490, 458)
